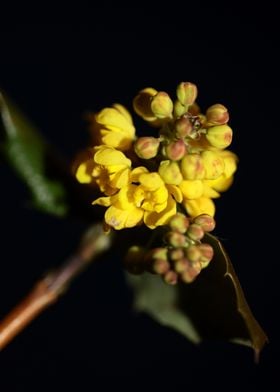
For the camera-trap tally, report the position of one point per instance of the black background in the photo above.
(55, 72)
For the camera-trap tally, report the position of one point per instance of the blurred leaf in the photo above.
(28, 154)
(212, 307)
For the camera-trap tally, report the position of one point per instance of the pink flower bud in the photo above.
(175, 150)
(146, 147)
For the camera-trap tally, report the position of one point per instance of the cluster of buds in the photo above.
(183, 255)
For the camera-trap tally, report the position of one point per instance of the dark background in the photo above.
(55, 72)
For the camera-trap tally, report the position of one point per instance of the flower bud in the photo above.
(181, 265)
(186, 93)
(160, 266)
(157, 253)
(195, 232)
(219, 136)
(183, 127)
(207, 222)
(142, 103)
(176, 254)
(162, 105)
(179, 222)
(171, 277)
(175, 239)
(192, 167)
(146, 147)
(175, 150)
(179, 109)
(193, 253)
(191, 272)
(213, 164)
(207, 254)
(217, 115)
(170, 172)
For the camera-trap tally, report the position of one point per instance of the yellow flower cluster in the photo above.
(146, 179)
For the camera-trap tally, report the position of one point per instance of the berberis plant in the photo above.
(158, 189)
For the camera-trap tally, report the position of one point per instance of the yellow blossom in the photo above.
(146, 198)
(113, 127)
(106, 167)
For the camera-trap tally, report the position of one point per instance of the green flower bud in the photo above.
(183, 127)
(193, 253)
(195, 232)
(207, 254)
(175, 239)
(219, 136)
(162, 105)
(207, 222)
(217, 115)
(175, 150)
(170, 172)
(171, 277)
(176, 254)
(179, 109)
(192, 167)
(186, 93)
(146, 147)
(181, 265)
(157, 253)
(179, 222)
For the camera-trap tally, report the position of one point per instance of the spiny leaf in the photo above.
(28, 153)
(217, 305)
(212, 307)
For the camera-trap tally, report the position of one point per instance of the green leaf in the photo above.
(29, 155)
(212, 307)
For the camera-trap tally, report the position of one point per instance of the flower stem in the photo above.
(47, 290)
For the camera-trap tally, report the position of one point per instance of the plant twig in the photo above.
(47, 290)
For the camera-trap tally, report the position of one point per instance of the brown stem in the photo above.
(47, 290)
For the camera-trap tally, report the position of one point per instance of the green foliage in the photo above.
(29, 155)
(212, 307)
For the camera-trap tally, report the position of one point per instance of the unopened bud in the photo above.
(157, 253)
(171, 277)
(142, 103)
(181, 265)
(187, 93)
(193, 253)
(183, 127)
(146, 147)
(191, 272)
(217, 115)
(195, 232)
(219, 136)
(162, 105)
(207, 222)
(213, 164)
(160, 266)
(176, 254)
(170, 172)
(179, 222)
(175, 150)
(192, 167)
(179, 109)
(175, 239)
(207, 254)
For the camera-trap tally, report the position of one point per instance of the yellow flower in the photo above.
(113, 127)
(198, 194)
(145, 198)
(107, 167)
